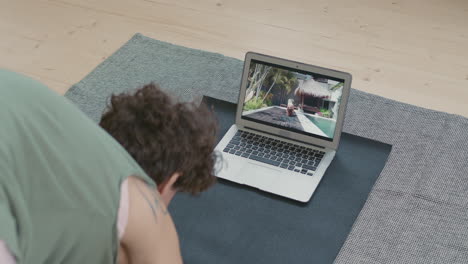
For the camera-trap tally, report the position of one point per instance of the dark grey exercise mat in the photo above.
(232, 223)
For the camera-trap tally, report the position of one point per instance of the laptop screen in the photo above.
(292, 99)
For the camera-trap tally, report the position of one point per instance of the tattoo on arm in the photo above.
(159, 202)
(156, 205)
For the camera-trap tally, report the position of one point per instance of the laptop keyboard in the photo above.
(275, 152)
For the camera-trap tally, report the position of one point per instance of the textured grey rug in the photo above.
(417, 211)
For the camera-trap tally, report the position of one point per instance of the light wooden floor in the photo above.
(415, 51)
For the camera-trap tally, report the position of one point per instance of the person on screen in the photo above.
(290, 107)
(74, 192)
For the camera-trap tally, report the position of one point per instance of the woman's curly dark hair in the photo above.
(165, 136)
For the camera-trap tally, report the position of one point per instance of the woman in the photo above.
(72, 192)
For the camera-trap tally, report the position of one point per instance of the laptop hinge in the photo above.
(251, 128)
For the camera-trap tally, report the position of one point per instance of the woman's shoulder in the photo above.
(150, 234)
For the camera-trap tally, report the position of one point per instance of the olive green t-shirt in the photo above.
(60, 176)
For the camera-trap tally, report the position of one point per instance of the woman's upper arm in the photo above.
(150, 235)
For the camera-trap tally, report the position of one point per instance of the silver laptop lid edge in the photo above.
(283, 132)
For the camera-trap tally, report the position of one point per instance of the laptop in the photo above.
(288, 125)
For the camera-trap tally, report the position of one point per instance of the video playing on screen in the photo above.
(298, 101)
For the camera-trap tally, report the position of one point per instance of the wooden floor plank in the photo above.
(393, 48)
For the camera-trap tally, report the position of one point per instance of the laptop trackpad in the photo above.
(258, 176)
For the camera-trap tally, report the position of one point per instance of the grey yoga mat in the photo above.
(416, 211)
(232, 223)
